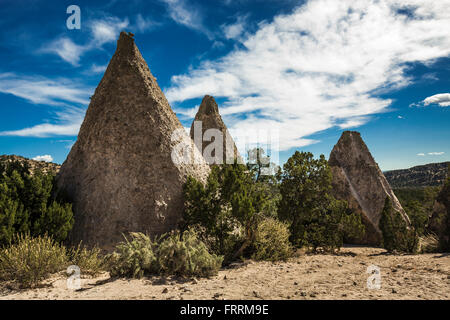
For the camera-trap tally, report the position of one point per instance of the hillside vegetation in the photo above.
(432, 174)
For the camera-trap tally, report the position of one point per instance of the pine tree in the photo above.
(27, 205)
(227, 208)
(397, 236)
(316, 218)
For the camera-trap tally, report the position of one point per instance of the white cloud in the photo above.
(106, 30)
(320, 66)
(442, 99)
(62, 94)
(235, 30)
(66, 49)
(98, 69)
(102, 31)
(41, 90)
(46, 158)
(68, 122)
(421, 154)
(436, 153)
(186, 14)
(400, 117)
(144, 24)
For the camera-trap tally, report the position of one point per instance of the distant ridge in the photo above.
(428, 175)
(44, 167)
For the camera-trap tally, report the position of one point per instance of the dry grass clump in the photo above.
(30, 260)
(428, 244)
(90, 261)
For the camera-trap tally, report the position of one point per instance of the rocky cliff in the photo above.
(208, 117)
(120, 173)
(358, 180)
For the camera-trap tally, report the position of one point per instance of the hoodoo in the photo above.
(207, 118)
(120, 174)
(358, 180)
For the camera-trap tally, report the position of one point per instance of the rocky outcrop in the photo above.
(208, 117)
(121, 173)
(42, 166)
(358, 180)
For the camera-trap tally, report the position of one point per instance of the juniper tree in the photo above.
(315, 217)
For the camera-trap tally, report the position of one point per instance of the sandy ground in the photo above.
(306, 276)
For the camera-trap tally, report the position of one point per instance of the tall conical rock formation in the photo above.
(120, 173)
(208, 117)
(358, 180)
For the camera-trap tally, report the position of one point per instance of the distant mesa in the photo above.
(358, 180)
(119, 173)
(207, 118)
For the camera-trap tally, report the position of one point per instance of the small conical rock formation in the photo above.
(120, 173)
(208, 117)
(358, 180)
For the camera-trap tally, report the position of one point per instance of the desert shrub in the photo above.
(133, 258)
(185, 255)
(316, 218)
(228, 209)
(175, 253)
(397, 236)
(428, 244)
(90, 261)
(30, 260)
(272, 241)
(27, 205)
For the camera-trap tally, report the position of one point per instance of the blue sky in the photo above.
(306, 69)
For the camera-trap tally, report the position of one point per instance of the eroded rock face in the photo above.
(208, 117)
(120, 174)
(358, 180)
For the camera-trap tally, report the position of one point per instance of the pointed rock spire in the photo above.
(358, 180)
(120, 173)
(208, 117)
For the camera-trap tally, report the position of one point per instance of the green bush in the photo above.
(185, 255)
(176, 253)
(30, 260)
(134, 258)
(397, 236)
(27, 206)
(90, 261)
(272, 241)
(227, 208)
(316, 219)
